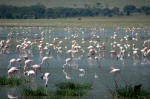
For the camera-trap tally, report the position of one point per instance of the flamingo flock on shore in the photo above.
(119, 49)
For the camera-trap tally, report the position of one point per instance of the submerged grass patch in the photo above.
(129, 91)
(28, 91)
(70, 92)
(11, 81)
(73, 86)
(72, 89)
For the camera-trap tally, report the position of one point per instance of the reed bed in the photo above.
(28, 91)
(72, 89)
(11, 81)
(128, 92)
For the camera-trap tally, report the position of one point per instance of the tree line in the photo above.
(40, 11)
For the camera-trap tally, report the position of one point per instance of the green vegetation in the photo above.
(129, 92)
(73, 86)
(41, 12)
(66, 90)
(11, 81)
(70, 92)
(28, 91)
(72, 89)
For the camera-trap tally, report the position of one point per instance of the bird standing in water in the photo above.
(46, 77)
(12, 70)
(115, 71)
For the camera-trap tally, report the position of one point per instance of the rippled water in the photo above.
(133, 71)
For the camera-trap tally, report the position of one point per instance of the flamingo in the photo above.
(12, 61)
(37, 67)
(19, 61)
(66, 75)
(27, 62)
(68, 62)
(12, 70)
(46, 78)
(29, 73)
(113, 52)
(25, 57)
(83, 72)
(135, 51)
(45, 60)
(12, 96)
(115, 71)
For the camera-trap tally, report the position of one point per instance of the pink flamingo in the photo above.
(68, 62)
(25, 57)
(12, 61)
(46, 77)
(29, 73)
(19, 61)
(37, 68)
(45, 60)
(114, 70)
(27, 62)
(12, 70)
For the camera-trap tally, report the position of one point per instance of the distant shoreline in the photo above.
(79, 22)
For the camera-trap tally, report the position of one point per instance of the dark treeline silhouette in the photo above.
(39, 12)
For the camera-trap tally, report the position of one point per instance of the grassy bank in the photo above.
(4, 81)
(83, 22)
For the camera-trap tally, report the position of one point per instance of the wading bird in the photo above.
(114, 70)
(46, 77)
(12, 70)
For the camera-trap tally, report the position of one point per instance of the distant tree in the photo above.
(107, 12)
(50, 13)
(38, 11)
(145, 10)
(115, 11)
(129, 9)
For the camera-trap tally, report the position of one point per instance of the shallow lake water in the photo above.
(133, 70)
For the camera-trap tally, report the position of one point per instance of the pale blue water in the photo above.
(132, 70)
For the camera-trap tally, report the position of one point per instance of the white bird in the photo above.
(36, 67)
(46, 77)
(83, 72)
(114, 70)
(68, 62)
(12, 61)
(44, 59)
(11, 96)
(68, 77)
(29, 73)
(18, 60)
(25, 57)
(27, 62)
(12, 70)
(95, 76)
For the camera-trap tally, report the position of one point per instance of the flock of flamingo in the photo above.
(75, 49)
